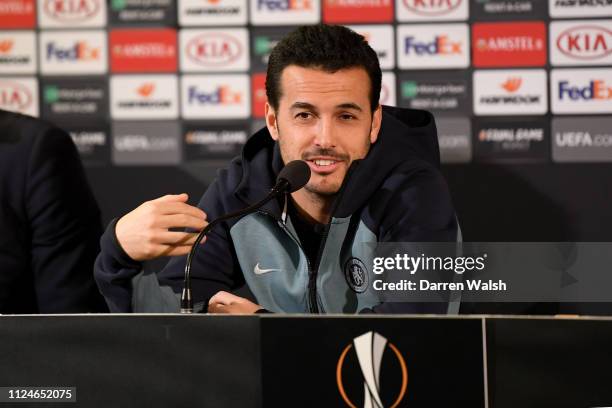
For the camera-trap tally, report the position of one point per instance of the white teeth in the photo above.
(324, 162)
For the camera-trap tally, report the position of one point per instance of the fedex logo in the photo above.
(596, 89)
(284, 5)
(80, 51)
(293, 12)
(441, 45)
(433, 46)
(223, 95)
(581, 90)
(73, 52)
(215, 96)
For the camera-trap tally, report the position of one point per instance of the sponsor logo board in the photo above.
(581, 90)
(441, 93)
(483, 10)
(17, 14)
(19, 94)
(380, 38)
(516, 44)
(357, 11)
(431, 10)
(582, 139)
(212, 12)
(433, 46)
(146, 143)
(454, 139)
(583, 42)
(515, 140)
(212, 50)
(72, 52)
(142, 12)
(387, 89)
(143, 50)
(74, 98)
(71, 13)
(144, 97)
(206, 140)
(263, 39)
(92, 139)
(17, 52)
(215, 96)
(579, 8)
(511, 92)
(285, 12)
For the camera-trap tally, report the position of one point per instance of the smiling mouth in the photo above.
(324, 162)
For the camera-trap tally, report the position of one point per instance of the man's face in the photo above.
(324, 119)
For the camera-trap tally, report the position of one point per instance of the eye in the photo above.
(303, 115)
(347, 116)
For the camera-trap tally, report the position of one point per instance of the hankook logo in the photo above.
(369, 349)
(71, 10)
(214, 49)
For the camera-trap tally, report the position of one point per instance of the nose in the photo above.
(325, 137)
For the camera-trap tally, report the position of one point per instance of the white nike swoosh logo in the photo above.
(259, 271)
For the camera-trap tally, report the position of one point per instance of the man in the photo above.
(49, 222)
(304, 252)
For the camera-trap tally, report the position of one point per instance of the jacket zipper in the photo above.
(313, 307)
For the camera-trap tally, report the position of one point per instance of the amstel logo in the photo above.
(71, 10)
(585, 42)
(216, 49)
(432, 7)
(369, 349)
(14, 97)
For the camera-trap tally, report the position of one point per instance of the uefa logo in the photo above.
(374, 352)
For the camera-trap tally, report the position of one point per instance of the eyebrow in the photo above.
(309, 106)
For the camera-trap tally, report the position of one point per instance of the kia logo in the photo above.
(71, 10)
(214, 49)
(585, 42)
(14, 97)
(432, 7)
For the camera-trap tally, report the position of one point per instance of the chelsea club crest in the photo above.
(356, 275)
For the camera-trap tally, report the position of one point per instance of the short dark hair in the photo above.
(326, 47)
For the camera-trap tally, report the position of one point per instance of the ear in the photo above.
(376, 122)
(271, 121)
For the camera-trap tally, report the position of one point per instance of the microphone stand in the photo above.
(186, 298)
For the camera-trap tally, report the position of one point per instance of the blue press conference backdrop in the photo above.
(158, 94)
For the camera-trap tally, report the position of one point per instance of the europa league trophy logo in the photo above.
(369, 348)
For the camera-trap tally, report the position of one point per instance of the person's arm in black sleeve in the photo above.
(422, 211)
(214, 268)
(65, 227)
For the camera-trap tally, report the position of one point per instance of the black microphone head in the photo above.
(296, 174)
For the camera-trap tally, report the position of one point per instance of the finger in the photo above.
(176, 207)
(179, 221)
(218, 297)
(183, 197)
(216, 308)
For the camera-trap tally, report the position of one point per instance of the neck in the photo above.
(313, 207)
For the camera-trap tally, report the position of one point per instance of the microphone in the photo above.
(291, 178)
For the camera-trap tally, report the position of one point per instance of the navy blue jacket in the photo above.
(394, 194)
(49, 221)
